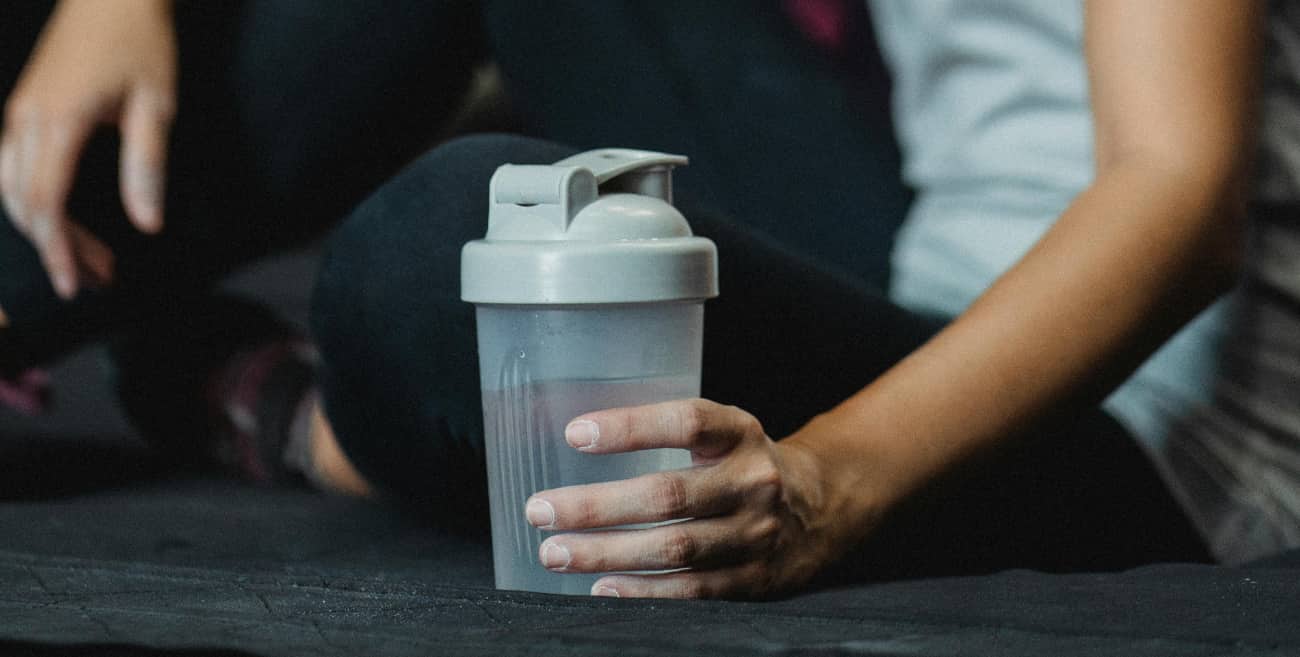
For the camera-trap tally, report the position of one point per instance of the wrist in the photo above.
(849, 483)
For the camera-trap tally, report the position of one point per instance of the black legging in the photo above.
(291, 111)
(785, 340)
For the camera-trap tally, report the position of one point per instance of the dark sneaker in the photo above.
(216, 386)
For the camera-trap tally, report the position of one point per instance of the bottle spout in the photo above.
(539, 202)
(595, 228)
(629, 170)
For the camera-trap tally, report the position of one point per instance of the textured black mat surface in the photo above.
(132, 561)
(1154, 611)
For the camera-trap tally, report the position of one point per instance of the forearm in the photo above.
(1150, 243)
(1135, 257)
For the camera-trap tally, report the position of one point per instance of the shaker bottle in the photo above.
(589, 292)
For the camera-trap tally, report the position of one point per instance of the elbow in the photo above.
(1220, 258)
(1205, 192)
(1220, 271)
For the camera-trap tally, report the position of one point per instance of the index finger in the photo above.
(9, 174)
(146, 122)
(44, 194)
(706, 428)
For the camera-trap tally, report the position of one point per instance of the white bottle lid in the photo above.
(595, 228)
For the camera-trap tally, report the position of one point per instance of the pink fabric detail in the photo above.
(822, 21)
(28, 394)
(235, 396)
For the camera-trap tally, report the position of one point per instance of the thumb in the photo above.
(146, 124)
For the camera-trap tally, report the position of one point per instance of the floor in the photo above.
(103, 551)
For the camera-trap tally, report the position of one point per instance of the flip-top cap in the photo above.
(595, 228)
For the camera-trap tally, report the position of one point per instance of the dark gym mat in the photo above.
(156, 565)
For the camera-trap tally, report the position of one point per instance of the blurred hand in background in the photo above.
(96, 63)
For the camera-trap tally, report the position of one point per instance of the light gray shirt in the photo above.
(991, 109)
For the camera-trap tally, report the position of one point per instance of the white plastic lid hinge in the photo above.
(538, 201)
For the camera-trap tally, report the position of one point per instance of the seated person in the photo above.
(283, 115)
(948, 447)
(975, 444)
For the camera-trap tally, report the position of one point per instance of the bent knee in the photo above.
(401, 247)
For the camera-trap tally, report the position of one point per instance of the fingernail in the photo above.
(64, 285)
(555, 556)
(582, 434)
(540, 514)
(605, 591)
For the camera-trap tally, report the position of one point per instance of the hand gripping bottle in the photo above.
(589, 291)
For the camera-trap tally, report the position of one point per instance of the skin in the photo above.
(332, 469)
(104, 63)
(1151, 242)
(82, 75)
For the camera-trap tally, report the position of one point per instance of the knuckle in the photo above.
(694, 587)
(760, 578)
(765, 480)
(669, 497)
(691, 418)
(750, 424)
(583, 514)
(679, 550)
(585, 561)
(763, 533)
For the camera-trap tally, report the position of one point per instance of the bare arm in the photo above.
(1150, 243)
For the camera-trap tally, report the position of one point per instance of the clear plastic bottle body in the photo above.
(541, 366)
